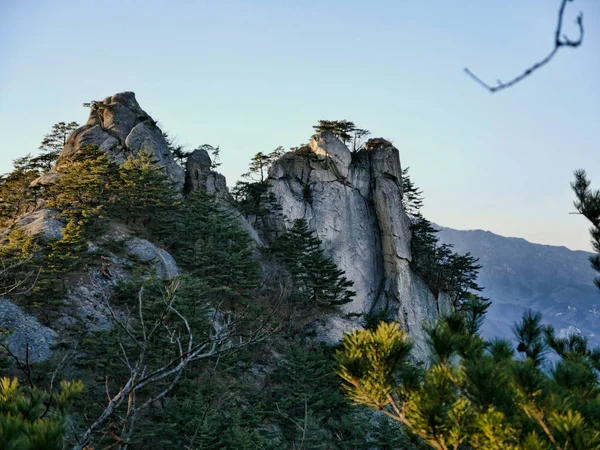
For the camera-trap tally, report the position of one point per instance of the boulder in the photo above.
(199, 175)
(146, 252)
(28, 337)
(44, 223)
(326, 145)
(46, 179)
(122, 128)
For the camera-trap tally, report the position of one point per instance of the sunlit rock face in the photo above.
(353, 202)
(122, 128)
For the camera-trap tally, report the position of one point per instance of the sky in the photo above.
(249, 76)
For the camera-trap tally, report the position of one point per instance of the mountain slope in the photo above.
(518, 274)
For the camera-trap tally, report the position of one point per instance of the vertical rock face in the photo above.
(354, 204)
(199, 175)
(122, 128)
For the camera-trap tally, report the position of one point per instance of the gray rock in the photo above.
(327, 145)
(44, 223)
(122, 128)
(199, 175)
(146, 252)
(353, 202)
(29, 337)
(146, 137)
(46, 179)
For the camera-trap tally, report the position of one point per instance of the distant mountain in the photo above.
(518, 274)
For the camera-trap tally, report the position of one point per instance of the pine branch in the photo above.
(560, 41)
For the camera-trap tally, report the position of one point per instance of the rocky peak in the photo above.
(353, 202)
(119, 126)
(199, 175)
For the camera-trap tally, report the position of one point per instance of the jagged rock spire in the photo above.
(353, 201)
(119, 126)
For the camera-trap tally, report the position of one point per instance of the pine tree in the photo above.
(345, 130)
(478, 393)
(18, 262)
(145, 195)
(254, 198)
(587, 203)
(437, 264)
(318, 279)
(211, 245)
(53, 144)
(260, 163)
(180, 154)
(16, 195)
(32, 419)
(88, 183)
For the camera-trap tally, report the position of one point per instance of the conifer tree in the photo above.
(17, 262)
(318, 279)
(32, 419)
(145, 193)
(345, 130)
(437, 264)
(53, 144)
(16, 195)
(180, 154)
(260, 163)
(88, 183)
(477, 393)
(211, 245)
(254, 198)
(587, 203)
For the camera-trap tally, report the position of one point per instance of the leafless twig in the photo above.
(560, 40)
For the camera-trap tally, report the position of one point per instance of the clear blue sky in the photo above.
(250, 76)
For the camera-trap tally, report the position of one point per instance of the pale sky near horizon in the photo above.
(250, 76)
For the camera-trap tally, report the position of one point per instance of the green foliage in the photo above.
(587, 203)
(255, 200)
(210, 244)
(53, 144)
(260, 163)
(437, 264)
(88, 184)
(144, 194)
(17, 262)
(345, 130)
(317, 278)
(477, 393)
(16, 195)
(32, 419)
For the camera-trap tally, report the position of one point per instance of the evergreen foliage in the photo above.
(17, 262)
(345, 130)
(477, 393)
(437, 264)
(260, 163)
(210, 244)
(16, 195)
(32, 419)
(52, 145)
(587, 203)
(317, 278)
(144, 195)
(254, 198)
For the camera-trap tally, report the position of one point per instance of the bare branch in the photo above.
(560, 40)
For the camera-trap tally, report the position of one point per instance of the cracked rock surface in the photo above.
(353, 202)
(122, 128)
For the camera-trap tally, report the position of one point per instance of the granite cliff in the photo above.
(351, 200)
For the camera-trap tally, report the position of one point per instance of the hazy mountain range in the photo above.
(518, 274)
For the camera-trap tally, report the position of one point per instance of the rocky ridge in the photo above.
(352, 201)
